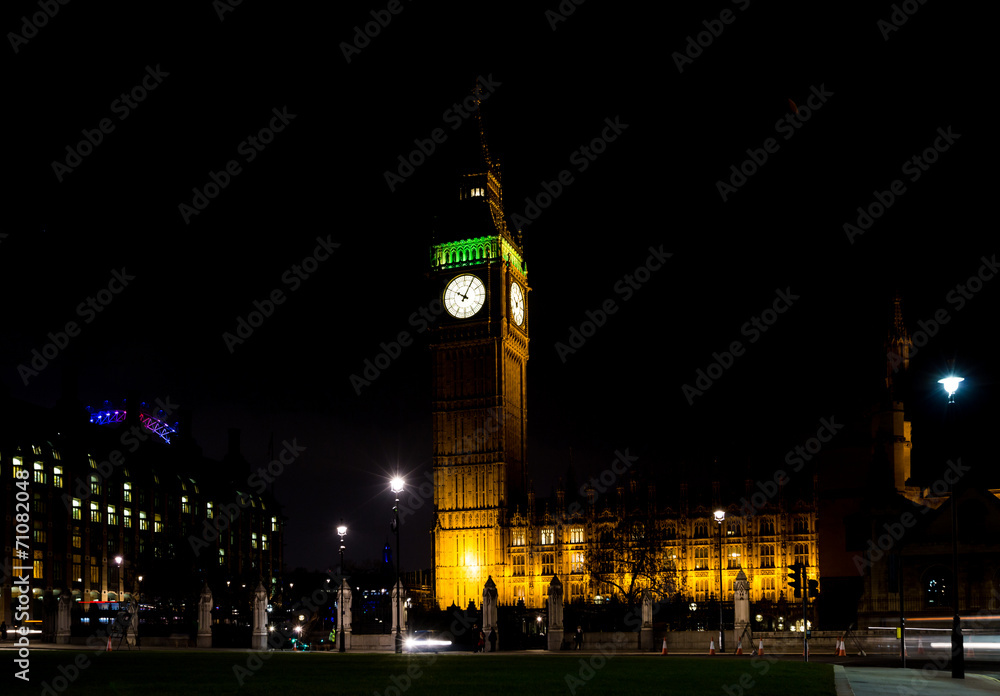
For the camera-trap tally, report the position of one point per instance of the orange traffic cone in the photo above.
(920, 646)
(711, 647)
(843, 649)
(760, 648)
(739, 648)
(664, 651)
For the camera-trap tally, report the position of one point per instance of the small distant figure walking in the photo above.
(481, 642)
(579, 637)
(493, 640)
(3, 630)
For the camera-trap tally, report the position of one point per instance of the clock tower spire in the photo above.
(479, 354)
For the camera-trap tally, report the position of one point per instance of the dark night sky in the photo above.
(654, 185)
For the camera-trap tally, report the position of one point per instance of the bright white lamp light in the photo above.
(396, 485)
(951, 384)
(720, 515)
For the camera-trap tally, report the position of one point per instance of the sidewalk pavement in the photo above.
(889, 681)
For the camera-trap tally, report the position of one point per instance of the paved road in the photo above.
(882, 681)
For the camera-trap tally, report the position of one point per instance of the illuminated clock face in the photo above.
(516, 303)
(464, 296)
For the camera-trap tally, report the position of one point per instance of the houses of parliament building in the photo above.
(487, 523)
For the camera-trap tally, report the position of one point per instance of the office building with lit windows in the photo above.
(120, 503)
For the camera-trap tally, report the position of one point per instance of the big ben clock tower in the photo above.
(479, 352)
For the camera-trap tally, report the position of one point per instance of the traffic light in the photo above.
(814, 588)
(795, 579)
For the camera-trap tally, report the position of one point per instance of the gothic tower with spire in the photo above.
(479, 354)
(890, 429)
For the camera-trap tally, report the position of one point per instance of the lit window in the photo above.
(18, 463)
(769, 592)
(128, 517)
(274, 524)
(576, 535)
(39, 473)
(157, 523)
(126, 492)
(77, 543)
(56, 455)
(57, 476)
(112, 517)
(263, 542)
(185, 505)
(93, 462)
(95, 574)
(576, 559)
(39, 533)
(208, 510)
(76, 508)
(143, 522)
(548, 536)
(36, 449)
(517, 537)
(701, 558)
(95, 513)
(253, 540)
(95, 484)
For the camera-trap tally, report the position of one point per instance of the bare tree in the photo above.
(628, 555)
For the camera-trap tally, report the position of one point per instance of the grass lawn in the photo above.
(150, 673)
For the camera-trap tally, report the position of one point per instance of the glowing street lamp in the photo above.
(950, 385)
(720, 516)
(397, 487)
(342, 531)
(118, 560)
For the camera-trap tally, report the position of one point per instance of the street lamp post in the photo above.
(342, 531)
(397, 488)
(950, 385)
(720, 515)
(118, 560)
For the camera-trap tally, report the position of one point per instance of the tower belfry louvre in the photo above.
(479, 354)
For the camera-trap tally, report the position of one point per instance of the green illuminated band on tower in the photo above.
(471, 252)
